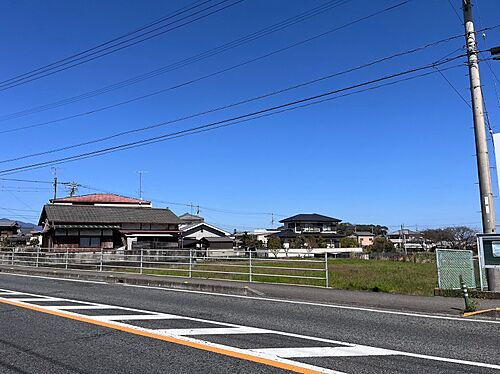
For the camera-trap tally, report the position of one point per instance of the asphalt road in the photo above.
(189, 332)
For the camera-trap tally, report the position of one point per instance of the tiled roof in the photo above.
(100, 198)
(222, 239)
(363, 233)
(7, 223)
(310, 217)
(90, 214)
(190, 217)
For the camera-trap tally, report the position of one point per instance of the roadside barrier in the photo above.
(228, 264)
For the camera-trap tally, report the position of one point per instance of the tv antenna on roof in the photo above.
(140, 172)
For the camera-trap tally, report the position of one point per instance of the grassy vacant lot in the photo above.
(384, 276)
(370, 275)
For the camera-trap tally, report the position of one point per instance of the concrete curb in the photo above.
(135, 279)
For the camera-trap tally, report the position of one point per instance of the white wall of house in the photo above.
(203, 234)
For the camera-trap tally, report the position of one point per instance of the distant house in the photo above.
(310, 225)
(217, 247)
(364, 238)
(189, 219)
(406, 239)
(202, 230)
(87, 225)
(194, 231)
(9, 228)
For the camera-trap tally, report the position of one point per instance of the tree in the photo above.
(459, 237)
(347, 242)
(381, 244)
(347, 228)
(250, 242)
(438, 235)
(274, 245)
(463, 237)
(34, 242)
(298, 242)
(5, 243)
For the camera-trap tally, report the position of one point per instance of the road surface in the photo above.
(60, 326)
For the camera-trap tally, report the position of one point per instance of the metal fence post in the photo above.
(37, 256)
(250, 265)
(102, 258)
(67, 258)
(326, 269)
(142, 254)
(190, 262)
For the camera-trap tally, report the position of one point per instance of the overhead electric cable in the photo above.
(226, 122)
(128, 101)
(273, 93)
(28, 79)
(182, 63)
(171, 15)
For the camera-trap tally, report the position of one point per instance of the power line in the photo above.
(453, 87)
(455, 11)
(155, 200)
(18, 210)
(26, 180)
(51, 71)
(213, 110)
(185, 62)
(178, 12)
(128, 101)
(227, 122)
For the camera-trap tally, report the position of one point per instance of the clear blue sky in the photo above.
(399, 154)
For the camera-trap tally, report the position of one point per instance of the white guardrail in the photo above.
(299, 267)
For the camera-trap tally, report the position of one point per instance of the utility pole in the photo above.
(483, 162)
(54, 172)
(73, 188)
(403, 240)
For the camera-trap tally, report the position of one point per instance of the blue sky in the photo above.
(402, 154)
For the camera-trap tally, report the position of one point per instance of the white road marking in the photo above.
(324, 305)
(214, 331)
(326, 351)
(274, 354)
(28, 299)
(76, 307)
(10, 293)
(136, 317)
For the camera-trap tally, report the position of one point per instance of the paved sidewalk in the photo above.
(423, 304)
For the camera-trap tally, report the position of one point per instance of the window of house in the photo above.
(90, 242)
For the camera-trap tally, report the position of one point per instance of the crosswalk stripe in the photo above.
(301, 352)
(213, 331)
(136, 317)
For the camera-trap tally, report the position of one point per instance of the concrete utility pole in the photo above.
(483, 161)
(54, 171)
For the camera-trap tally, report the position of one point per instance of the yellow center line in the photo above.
(170, 339)
(470, 314)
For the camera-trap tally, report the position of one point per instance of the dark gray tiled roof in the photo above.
(190, 217)
(218, 240)
(311, 217)
(90, 214)
(7, 223)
